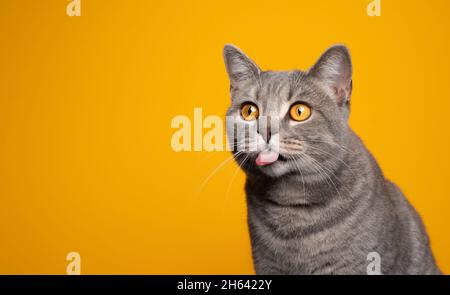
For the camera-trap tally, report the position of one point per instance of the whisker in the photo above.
(319, 168)
(216, 170)
(301, 174)
(240, 165)
(324, 167)
(344, 148)
(225, 146)
(334, 157)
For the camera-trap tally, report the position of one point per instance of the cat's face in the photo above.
(307, 112)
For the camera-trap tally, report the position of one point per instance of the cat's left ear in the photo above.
(333, 71)
(240, 68)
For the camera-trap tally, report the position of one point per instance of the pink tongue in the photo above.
(266, 158)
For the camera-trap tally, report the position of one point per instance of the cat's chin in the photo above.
(276, 169)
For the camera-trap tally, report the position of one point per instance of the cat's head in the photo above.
(300, 118)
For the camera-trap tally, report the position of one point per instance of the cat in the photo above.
(317, 200)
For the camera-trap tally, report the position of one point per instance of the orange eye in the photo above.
(300, 112)
(249, 111)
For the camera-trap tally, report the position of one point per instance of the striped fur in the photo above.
(325, 204)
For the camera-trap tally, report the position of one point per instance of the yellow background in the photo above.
(86, 105)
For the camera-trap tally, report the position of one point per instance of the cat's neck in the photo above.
(296, 189)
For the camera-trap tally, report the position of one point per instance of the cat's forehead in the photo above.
(274, 89)
(275, 84)
(280, 85)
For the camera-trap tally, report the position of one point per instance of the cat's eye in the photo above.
(249, 111)
(300, 112)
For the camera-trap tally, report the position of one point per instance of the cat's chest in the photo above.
(303, 231)
(305, 241)
(314, 253)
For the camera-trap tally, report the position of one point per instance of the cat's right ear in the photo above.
(334, 72)
(240, 68)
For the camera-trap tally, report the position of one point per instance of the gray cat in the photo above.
(318, 202)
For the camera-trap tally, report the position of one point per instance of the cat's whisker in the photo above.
(328, 154)
(209, 177)
(234, 146)
(301, 174)
(297, 142)
(334, 157)
(330, 171)
(216, 170)
(317, 167)
(342, 147)
(240, 165)
(321, 171)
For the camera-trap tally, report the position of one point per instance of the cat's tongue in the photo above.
(266, 158)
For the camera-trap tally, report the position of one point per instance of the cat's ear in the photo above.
(333, 70)
(240, 67)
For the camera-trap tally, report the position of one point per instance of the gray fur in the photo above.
(325, 204)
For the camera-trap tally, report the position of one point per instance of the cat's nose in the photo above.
(268, 135)
(265, 129)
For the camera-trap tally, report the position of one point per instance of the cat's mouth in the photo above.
(282, 158)
(268, 157)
